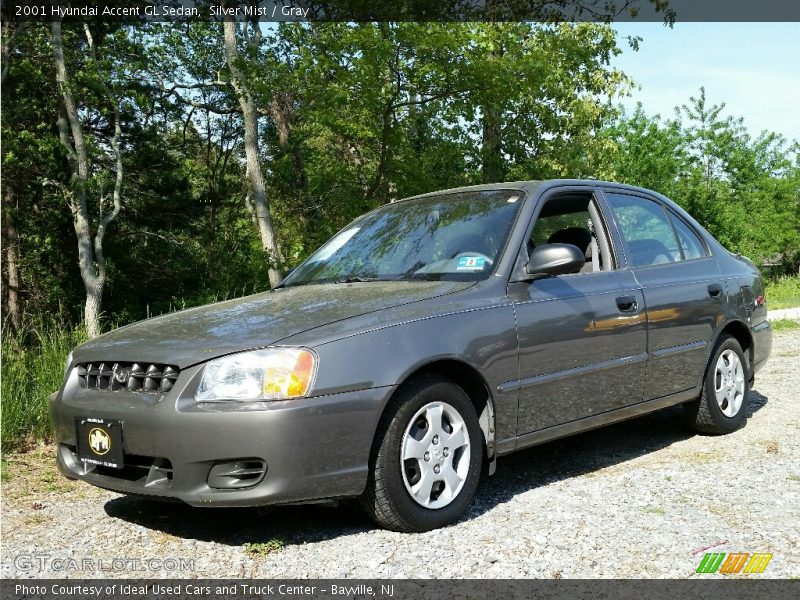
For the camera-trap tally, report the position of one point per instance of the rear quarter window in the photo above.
(692, 246)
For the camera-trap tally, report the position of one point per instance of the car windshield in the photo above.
(457, 236)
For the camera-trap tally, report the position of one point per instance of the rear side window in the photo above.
(690, 244)
(647, 231)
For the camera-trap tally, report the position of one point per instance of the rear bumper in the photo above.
(312, 448)
(762, 344)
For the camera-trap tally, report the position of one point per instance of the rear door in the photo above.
(682, 286)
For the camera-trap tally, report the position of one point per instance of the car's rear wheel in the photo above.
(427, 460)
(722, 406)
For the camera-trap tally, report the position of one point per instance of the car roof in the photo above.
(532, 186)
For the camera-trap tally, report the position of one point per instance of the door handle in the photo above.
(627, 303)
(715, 290)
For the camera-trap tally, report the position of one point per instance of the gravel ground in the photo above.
(643, 498)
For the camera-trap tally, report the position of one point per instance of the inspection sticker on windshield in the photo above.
(471, 263)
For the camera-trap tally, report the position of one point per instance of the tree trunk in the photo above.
(492, 163)
(69, 125)
(492, 169)
(11, 254)
(255, 175)
(383, 160)
(92, 308)
(281, 110)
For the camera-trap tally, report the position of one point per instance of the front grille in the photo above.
(134, 377)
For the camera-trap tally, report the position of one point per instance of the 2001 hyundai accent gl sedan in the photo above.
(424, 340)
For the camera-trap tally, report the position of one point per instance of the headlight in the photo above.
(269, 374)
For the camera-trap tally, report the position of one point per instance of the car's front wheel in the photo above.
(722, 406)
(427, 461)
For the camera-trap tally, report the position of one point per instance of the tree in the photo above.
(210, 81)
(745, 191)
(540, 95)
(37, 230)
(91, 258)
(201, 121)
(10, 232)
(251, 144)
(647, 151)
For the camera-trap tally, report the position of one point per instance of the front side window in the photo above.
(647, 231)
(568, 220)
(548, 228)
(455, 236)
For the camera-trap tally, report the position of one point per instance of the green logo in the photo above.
(734, 562)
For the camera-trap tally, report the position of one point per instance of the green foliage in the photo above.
(32, 163)
(372, 112)
(262, 549)
(785, 325)
(353, 115)
(783, 292)
(33, 363)
(647, 151)
(744, 190)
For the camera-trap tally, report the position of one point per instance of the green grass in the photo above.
(785, 325)
(32, 369)
(654, 510)
(4, 474)
(783, 292)
(261, 549)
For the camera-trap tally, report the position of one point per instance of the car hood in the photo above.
(191, 336)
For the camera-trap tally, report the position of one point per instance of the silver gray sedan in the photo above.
(423, 341)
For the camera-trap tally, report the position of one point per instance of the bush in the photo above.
(32, 368)
(783, 292)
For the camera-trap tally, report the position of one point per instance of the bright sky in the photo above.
(754, 68)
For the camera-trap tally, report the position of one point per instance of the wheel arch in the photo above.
(740, 331)
(469, 379)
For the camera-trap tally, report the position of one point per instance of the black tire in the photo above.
(705, 414)
(386, 499)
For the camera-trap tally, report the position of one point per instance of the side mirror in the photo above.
(555, 259)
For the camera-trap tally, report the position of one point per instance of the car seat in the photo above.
(579, 237)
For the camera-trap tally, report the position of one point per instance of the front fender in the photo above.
(484, 339)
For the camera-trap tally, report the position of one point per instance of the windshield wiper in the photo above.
(359, 279)
(326, 281)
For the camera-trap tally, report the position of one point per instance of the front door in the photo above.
(582, 336)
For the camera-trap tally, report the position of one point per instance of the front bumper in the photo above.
(312, 448)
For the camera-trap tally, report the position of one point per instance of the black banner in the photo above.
(133, 11)
(387, 589)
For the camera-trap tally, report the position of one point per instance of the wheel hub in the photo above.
(435, 455)
(729, 383)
